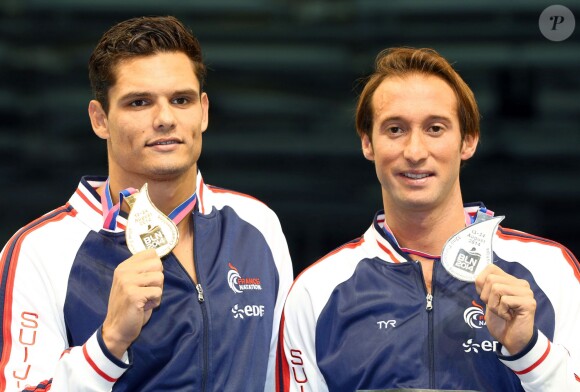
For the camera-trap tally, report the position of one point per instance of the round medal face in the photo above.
(469, 251)
(149, 228)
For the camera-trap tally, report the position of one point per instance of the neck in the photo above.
(425, 231)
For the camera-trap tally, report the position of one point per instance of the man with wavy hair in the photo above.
(383, 312)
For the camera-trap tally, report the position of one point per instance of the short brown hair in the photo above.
(404, 61)
(138, 37)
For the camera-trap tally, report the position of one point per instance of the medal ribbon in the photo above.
(110, 211)
(469, 219)
(408, 251)
(478, 216)
(183, 209)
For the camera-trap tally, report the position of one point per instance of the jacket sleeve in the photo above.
(35, 353)
(297, 369)
(546, 365)
(286, 275)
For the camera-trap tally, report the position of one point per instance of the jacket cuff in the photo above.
(104, 364)
(531, 359)
(124, 362)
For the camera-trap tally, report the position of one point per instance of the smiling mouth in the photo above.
(416, 176)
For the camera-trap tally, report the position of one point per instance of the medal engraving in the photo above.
(147, 227)
(469, 251)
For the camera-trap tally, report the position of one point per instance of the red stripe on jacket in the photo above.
(514, 235)
(15, 243)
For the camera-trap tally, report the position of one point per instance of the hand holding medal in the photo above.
(509, 301)
(138, 281)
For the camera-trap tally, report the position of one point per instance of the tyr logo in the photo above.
(387, 324)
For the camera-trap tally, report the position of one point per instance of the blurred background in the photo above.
(282, 85)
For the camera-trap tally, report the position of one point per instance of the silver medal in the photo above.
(147, 227)
(469, 251)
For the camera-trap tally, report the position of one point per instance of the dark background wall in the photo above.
(282, 88)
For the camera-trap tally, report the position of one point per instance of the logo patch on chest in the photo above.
(238, 284)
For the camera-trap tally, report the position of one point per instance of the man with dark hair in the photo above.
(392, 309)
(148, 279)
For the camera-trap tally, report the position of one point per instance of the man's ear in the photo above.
(204, 111)
(367, 147)
(99, 120)
(469, 146)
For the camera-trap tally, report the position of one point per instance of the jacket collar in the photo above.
(87, 202)
(385, 244)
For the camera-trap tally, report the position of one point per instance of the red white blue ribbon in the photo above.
(111, 211)
(183, 209)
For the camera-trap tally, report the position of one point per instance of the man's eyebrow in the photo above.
(135, 95)
(145, 94)
(392, 118)
(188, 91)
(382, 122)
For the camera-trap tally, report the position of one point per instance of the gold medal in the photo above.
(147, 227)
(469, 251)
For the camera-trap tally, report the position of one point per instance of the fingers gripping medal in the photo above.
(469, 251)
(147, 227)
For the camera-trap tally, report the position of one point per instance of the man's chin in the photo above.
(168, 173)
(418, 204)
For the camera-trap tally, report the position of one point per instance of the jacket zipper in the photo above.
(429, 309)
(199, 289)
(201, 300)
(429, 306)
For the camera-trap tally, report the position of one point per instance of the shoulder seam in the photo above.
(349, 245)
(216, 189)
(514, 235)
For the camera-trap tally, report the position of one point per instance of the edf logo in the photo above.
(248, 311)
(557, 23)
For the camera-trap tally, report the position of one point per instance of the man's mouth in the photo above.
(162, 142)
(416, 176)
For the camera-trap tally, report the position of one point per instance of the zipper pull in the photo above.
(200, 297)
(429, 306)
